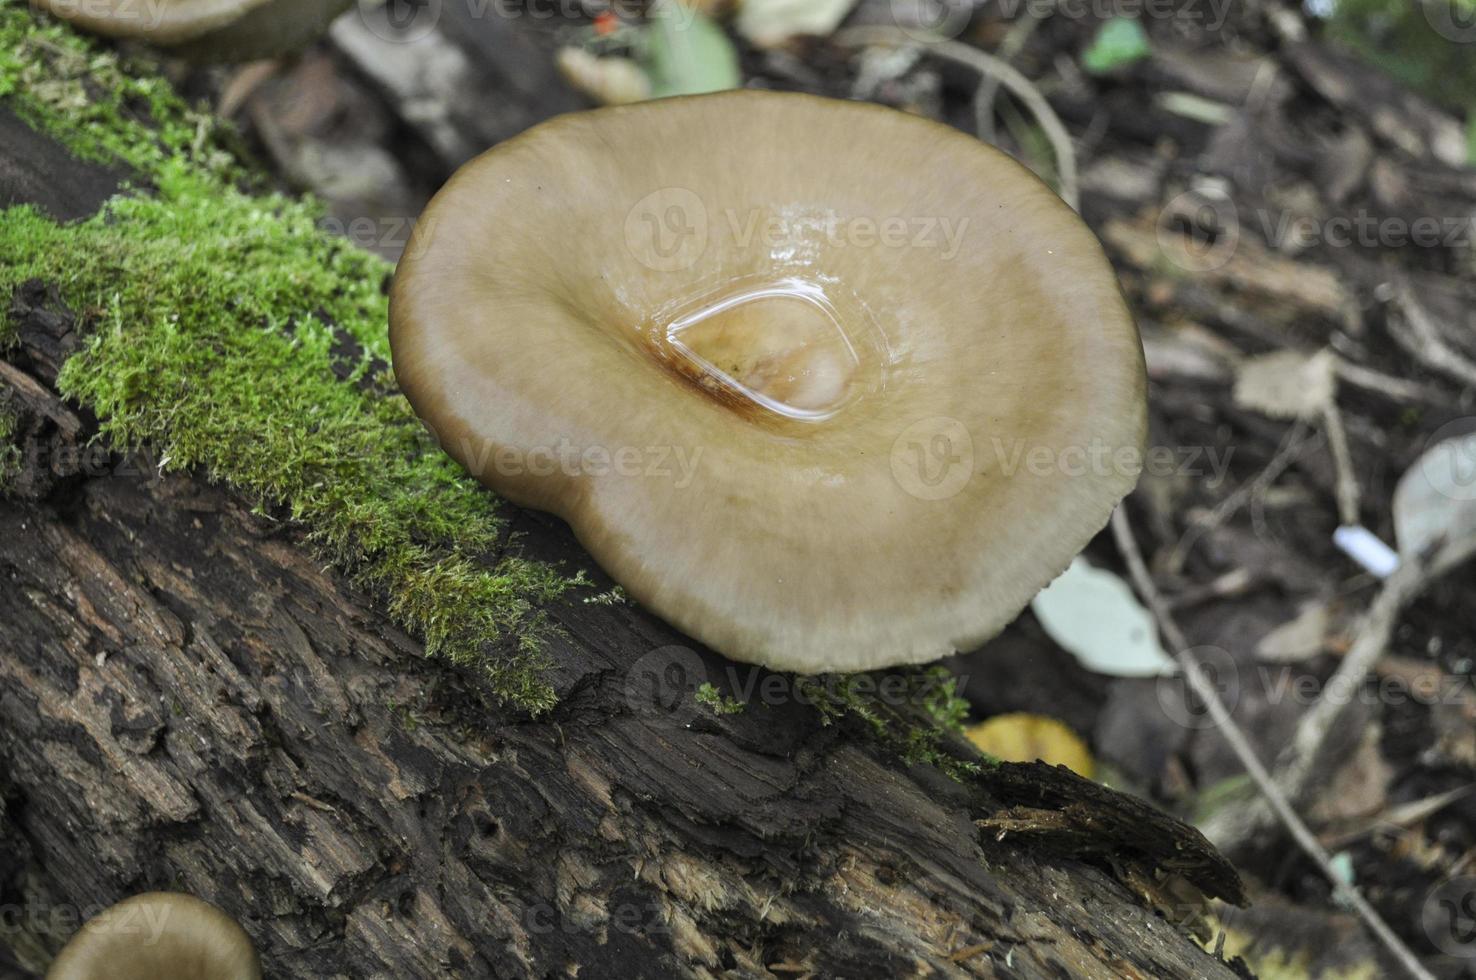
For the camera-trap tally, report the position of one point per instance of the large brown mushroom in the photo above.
(158, 936)
(205, 30)
(825, 385)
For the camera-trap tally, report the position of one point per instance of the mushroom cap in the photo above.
(158, 935)
(225, 30)
(827, 386)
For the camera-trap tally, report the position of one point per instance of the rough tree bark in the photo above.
(189, 701)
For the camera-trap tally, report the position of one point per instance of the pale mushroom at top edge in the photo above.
(205, 30)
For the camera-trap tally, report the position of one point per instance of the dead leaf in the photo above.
(609, 81)
(1095, 616)
(1298, 639)
(769, 23)
(1435, 504)
(1287, 384)
(1360, 787)
(1022, 737)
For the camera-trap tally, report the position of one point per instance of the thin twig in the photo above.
(988, 65)
(1368, 646)
(1304, 757)
(1205, 689)
(1402, 815)
(1395, 389)
(1421, 338)
(988, 89)
(1347, 479)
(1286, 454)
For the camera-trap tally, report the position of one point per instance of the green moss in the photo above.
(218, 319)
(719, 703)
(912, 723)
(104, 107)
(10, 453)
(1402, 39)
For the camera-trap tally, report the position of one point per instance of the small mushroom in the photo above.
(827, 386)
(158, 936)
(205, 30)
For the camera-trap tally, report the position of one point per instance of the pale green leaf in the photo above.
(1120, 41)
(688, 54)
(1095, 616)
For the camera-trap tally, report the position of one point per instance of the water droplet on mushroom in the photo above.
(790, 346)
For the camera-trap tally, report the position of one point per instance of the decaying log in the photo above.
(189, 701)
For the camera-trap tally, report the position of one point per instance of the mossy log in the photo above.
(190, 700)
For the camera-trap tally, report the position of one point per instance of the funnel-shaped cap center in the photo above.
(782, 347)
